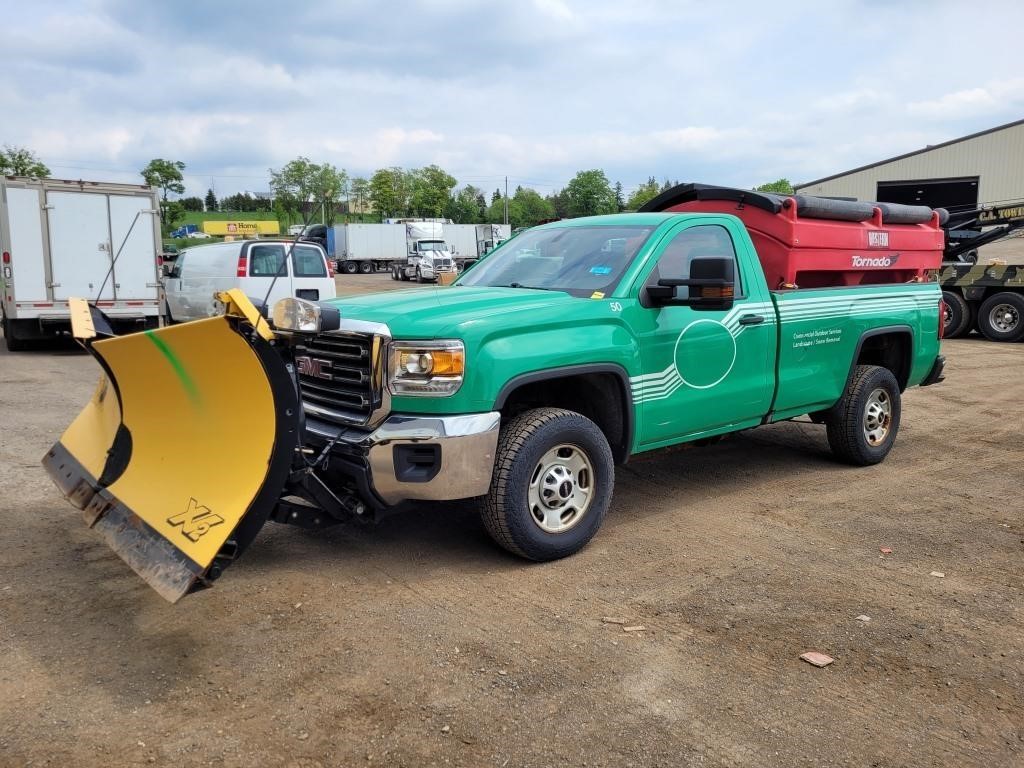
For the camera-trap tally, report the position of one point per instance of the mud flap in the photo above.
(181, 454)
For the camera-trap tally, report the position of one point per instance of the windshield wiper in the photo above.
(531, 287)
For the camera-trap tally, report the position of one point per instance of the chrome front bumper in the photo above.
(463, 454)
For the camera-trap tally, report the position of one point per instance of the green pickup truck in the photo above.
(563, 352)
(581, 343)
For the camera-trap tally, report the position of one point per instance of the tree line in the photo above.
(302, 188)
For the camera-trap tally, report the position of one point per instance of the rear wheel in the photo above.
(957, 315)
(862, 426)
(366, 267)
(552, 484)
(349, 267)
(394, 273)
(11, 339)
(1001, 317)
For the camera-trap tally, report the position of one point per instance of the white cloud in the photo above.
(535, 91)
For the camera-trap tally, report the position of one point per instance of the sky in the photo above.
(733, 93)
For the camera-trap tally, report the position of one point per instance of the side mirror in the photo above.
(712, 284)
(167, 270)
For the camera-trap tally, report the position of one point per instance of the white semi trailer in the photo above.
(83, 239)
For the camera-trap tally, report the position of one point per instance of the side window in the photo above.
(707, 240)
(266, 260)
(309, 262)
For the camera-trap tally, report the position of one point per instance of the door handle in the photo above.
(751, 319)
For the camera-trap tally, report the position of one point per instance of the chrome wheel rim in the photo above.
(561, 488)
(1004, 317)
(947, 315)
(877, 417)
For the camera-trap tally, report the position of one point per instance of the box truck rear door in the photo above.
(135, 268)
(79, 244)
(24, 214)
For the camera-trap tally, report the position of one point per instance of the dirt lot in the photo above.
(418, 642)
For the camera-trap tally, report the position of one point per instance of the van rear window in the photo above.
(309, 262)
(266, 260)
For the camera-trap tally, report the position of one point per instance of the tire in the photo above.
(349, 267)
(13, 342)
(958, 316)
(862, 426)
(1001, 317)
(394, 273)
(403, 275)
(568, 459)
(366, 267)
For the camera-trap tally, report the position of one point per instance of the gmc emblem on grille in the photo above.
(315, 367)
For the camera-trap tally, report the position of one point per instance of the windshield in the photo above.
(431, 245)
(577, 260)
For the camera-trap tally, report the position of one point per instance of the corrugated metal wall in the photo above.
(997, 158)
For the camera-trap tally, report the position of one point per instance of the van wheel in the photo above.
(862, 426)
(552, 484)
(1001, 317)
(366, 267)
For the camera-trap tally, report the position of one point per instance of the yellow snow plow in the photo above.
(183, 451)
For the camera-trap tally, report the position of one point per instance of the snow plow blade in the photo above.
(182, 452)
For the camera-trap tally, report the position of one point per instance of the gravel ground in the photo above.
(417, 642)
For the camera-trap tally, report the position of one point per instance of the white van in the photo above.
(200, 272)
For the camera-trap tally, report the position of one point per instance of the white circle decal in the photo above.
(711, 341)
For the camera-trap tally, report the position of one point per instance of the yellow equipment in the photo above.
(180, 456)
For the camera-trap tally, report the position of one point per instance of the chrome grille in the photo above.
(336, 377)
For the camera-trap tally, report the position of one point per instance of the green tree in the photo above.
(527, 208)
(463, 207)
(390, 192)
(192, 203)
(174, 212)
(560, 202)
(210, 201)
(643, 194)
(779, 187)
(302, 185)
(166, 176)
(620, 201)
(21, 161)
(590, 194)
(496, 196)
(360, 190)
(431, 190)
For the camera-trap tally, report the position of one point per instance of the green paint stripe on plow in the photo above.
(186, 381)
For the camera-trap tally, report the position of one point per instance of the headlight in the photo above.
(431, 368)
(301, 316)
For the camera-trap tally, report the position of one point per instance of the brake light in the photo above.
(7, 257)
(942, 315)
(330, 268)
(243, 266)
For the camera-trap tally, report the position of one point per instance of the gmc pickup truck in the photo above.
(562, 353)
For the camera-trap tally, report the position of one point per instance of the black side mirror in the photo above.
(712, 282)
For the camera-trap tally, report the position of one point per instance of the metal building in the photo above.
(985, 167)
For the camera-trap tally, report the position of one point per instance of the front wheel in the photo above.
(862, 426)
(552, 484)
(419, 276)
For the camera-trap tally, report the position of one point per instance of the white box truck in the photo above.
(60, 239)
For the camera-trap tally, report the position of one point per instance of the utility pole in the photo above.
(506, 200)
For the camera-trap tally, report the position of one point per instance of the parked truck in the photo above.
(570, 349)
(989, 297)
(429, 254)
(60, 239)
